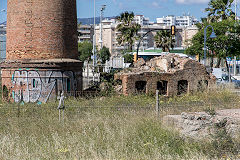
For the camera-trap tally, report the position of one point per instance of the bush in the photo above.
(128, 58)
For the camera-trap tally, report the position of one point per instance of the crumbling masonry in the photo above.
(42, 53)
(170, 74)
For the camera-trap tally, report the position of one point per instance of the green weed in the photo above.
(109, 127)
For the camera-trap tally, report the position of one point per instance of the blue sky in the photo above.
(148, 8)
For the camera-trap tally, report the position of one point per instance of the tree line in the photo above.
(127, 35)
(227, 30)
(220, 16)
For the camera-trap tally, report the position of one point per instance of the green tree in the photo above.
(104, 54)
(164, 40)
(227, 43)
(85, 50)
(220, 10)
(128, 58)
(128, 29)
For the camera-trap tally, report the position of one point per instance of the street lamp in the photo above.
(213, 35)
(101, 18)
(94, 38)
(4, 11)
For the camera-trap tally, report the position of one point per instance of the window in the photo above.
(5, 92)
(68, 85)
(182, 87)
(140, 86)
(118, 82)
(162, 87)
(34, 83)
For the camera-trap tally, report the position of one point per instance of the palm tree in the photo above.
(220, 10)
(128, 29)
(126, 18)
(164, 40)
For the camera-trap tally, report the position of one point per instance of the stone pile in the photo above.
(200, 125)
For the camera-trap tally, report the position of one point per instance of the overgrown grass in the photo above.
(116, 127)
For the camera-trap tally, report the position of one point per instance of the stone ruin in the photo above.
(170, 74)
(200, 125)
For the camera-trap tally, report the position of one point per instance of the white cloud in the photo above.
(192, 1)
(155, 5)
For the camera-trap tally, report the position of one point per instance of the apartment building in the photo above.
(188, 34)
(2, 41)
(140, 19)
(151, 30)
(184, 21)
(109, 35)
(85, 33)
(109, 38)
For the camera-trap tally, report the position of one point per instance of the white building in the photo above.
(85, 33)
(109, 34)
(187, 34)
(140, 19)
(2, 41)
(183, 21)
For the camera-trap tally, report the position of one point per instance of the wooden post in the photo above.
(157, 102)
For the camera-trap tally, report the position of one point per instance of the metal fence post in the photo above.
(59, 115)
(61, 106)
(18, 110)
(63, 114)
(157, 102)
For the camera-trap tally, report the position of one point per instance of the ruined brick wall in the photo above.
(29, 83)
(152, 78)
(191, 73)
(41, 29)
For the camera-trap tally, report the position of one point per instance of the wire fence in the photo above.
(159, 108)
(86, 94)
(160, 104)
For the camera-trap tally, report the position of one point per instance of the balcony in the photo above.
(142, 32)
(85, 31)
(85, 36)
(119, 47)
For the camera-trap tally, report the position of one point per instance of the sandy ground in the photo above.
(234, 113)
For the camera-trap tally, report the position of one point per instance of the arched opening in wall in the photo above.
(202, 85)
(162, 87)
(118, 85)
(118, 82)
(68, 85)
(5, 92)
(56, 88)
(140, 86)
(34, 83)
(182, 87)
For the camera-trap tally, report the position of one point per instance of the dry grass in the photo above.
(114, 127)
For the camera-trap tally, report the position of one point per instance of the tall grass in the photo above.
(115, 127)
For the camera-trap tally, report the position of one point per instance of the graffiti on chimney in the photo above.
(38, 86)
